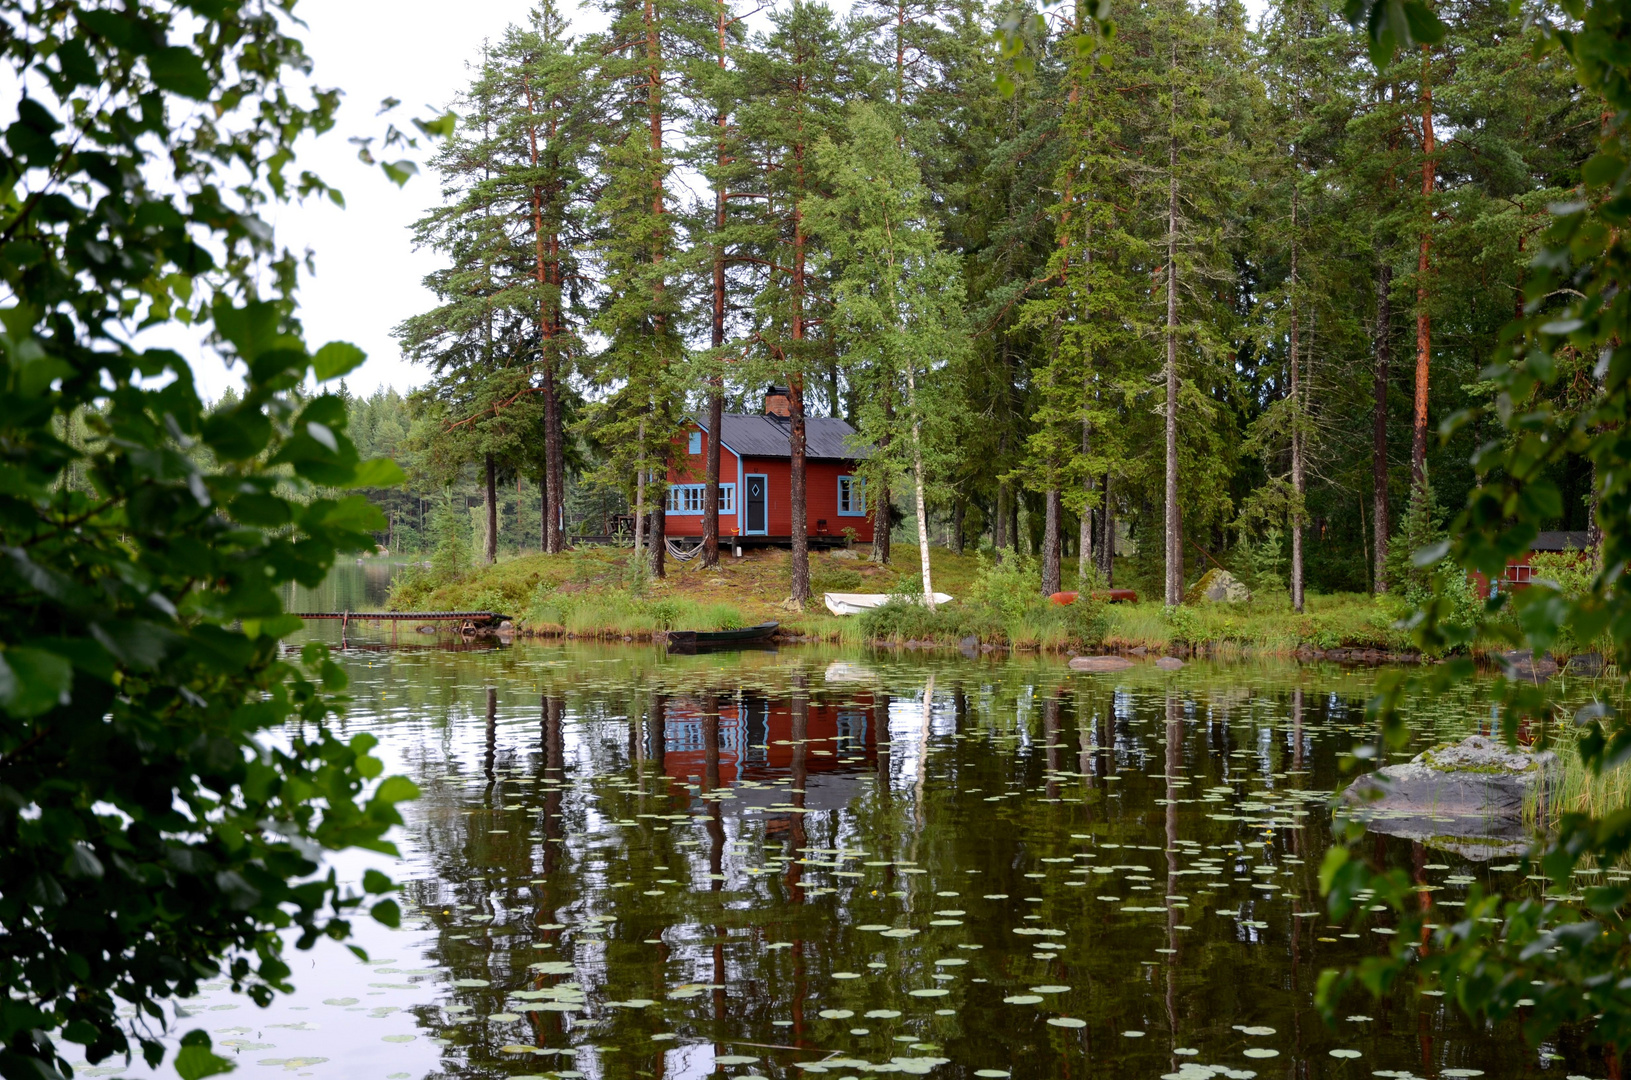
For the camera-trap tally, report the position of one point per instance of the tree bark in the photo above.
(1379, 470)
(1424, 326)
(491, 548)
(1174, 548)
(959, 511)
(1084, 540)
(547, 268)
(880, 498)
(1107, 534)
(659, 532)
(716, 388)
(1051, 541)
(1298, 480)
(798, 500)
(917, 488)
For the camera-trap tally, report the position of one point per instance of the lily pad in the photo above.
(1066, 1022)
(1022, 999)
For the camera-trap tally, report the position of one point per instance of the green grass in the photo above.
(599, 592)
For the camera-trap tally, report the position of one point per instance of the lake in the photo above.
(818, 861)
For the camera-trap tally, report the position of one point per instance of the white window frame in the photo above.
(688, 500)
(852, 490)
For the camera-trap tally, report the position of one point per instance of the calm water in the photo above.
(820, 862)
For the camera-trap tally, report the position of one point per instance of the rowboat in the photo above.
(691, 641)
(853, 603)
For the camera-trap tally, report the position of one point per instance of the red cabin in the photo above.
(1518, 571)
(755, 479)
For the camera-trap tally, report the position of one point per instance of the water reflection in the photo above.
(819, 862)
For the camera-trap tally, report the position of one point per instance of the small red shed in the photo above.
(755, 478)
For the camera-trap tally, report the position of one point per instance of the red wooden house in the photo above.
(1518, 571)
(755, 478)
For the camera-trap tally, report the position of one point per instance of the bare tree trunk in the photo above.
(959, 511)
(800, 513)
(1107, 534)
(1174, 545)
(1298, 481)
(917, 487)
(547, 269)
(659, 530)
(1424, 326)
(1379, 482)
(716, 389)
(490, 554)
(880, 498)
(1084, 540)
(640, 496)
(1051, 542)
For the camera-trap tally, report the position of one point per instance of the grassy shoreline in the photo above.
(598, 593)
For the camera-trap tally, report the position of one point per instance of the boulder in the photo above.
(847, 554)
(1218, 586)
(1476, 787)
(1169, 663)
(1522, 665)
(1100, 664)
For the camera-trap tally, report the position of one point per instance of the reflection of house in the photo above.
(755, 478)
(1519, 573)
(756, 739)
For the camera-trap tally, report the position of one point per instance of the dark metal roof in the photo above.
(826, 438)
(1561, 541)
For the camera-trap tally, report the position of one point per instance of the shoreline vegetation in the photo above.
(602, 593)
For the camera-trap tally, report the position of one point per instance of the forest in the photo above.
(1199, 291)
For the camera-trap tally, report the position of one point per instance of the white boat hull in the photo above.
(853, 603)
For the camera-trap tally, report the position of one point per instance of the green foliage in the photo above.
(168, 776)
(1262, 565)
(1562, 960)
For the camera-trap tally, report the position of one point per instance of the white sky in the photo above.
(368, 274)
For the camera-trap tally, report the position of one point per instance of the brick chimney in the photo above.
(777, 402)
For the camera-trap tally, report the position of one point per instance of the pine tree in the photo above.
(799, 77)
(647, 48)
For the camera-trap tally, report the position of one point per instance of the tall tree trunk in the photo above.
(659, 531)
(1174, 545)
(716, 387)
(543, 511)
(1424, 327)
(880, 499)
(640, 496)
(547, 269)
(659, 321)
(1051, 542)
(795, 394)
(1298, 479)
(490, 554)
(959, 511)
(798, 500)
(1107, 534)
(1379, 482)
(917, 487)
(1084, 540)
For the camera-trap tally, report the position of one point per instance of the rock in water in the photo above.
(1169, 663)
(1454, 787)
(1100, 664)
(1218, 586)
